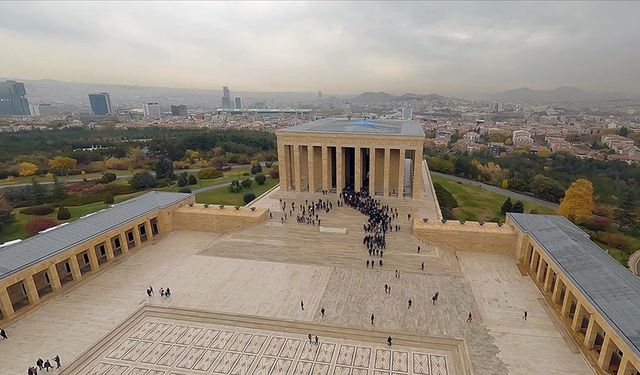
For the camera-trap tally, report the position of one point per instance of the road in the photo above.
(495, 189)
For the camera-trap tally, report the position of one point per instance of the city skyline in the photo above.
(339, 48)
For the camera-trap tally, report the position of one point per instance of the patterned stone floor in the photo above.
(159, 346)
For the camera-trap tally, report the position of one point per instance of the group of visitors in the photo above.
(44, 365)
(166, 293)
(309, 213)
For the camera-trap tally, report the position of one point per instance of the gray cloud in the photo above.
(339, 47)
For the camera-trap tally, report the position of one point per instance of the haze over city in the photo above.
(462, 49)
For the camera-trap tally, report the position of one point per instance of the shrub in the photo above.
(518, 207)
(234, 186)
(248, 197)
(108, 177)
(246, 174)
(38, 224)
(183, 180)
(268, 164)
(185, 189)
(275, 172)
(246, 183)
(617, 240)
(209, 173)
(63, 213)
(108, 198)
(598, 223)
(260, 179)
(192, 180)
(40, 210)
(255, 169)
(143, 180)
(445, 198)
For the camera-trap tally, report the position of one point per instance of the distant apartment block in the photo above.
(101, 104)
(226, 98)
(152, 111)
(12, 99)
(179, 110)
(238, 103)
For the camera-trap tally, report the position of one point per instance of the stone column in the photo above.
(625, 366)
(325, 168)
(534, 256)
(311, 166)
(282, 168)
(54, 278)
(417, 175)
(557, 289)
(136, 235)
(358, 169)
(109, 246)
(93, 259)
(592, 332)
(296, 167)
(540, 271)
(548, 278)
(123, 243)
(32, 291)
(577, 318)
(387, 167)
(75, 268)
(566, 304)
(5, 304)
(339, 169)
(401, 174)
(605, 352)
(372, 171)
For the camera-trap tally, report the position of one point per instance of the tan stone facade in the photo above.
(385, 165)
(602, 346)
(22, 291)
(470, 236)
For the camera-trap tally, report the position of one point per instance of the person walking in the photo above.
(389, 340)
(386, 287)
(525, 315)
(317, 340)
(47, 365)
(434, 299)
(470, 318)
(310, 339)
(57, 360)
(151, 289)
(372, 318)
(3, 334)
(148, 293)
(322, 312)
(409, 304)
(418, 249)
(422, 266)
(368, 262)
(302, 305)
(39, 363)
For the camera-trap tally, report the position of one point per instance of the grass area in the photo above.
(223, 196)
(234, 174)
(63, 179)
(476, 203)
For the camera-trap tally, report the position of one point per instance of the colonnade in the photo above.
(29, 286)
(382, 171)
(601, 344)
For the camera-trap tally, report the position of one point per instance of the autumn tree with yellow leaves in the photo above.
(27, 169)
(577, 203)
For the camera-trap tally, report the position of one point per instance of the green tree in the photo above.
(507, 206)
(260, 179)
(234, 186)
(518, 207)
(37, 193)
(164, 168)
(246, 183)
(625, 212)
(248, 197)
(623, 131)
(192, 180)
(547, 188)
(58, 192)
(108, 177)
(256, 168)
(183, 179)
(63, 213)
(143, 180)
(108, 198)
(6, 218)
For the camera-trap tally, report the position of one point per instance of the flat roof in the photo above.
(612, 289)
(23, 254)
(410, 128)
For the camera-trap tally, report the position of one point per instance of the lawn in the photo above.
(234, 174)
(476, 203)
(63, 179)
(223, 196)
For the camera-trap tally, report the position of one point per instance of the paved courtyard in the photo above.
(265, 271)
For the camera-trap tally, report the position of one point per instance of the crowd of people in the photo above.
(166, 293)
(44, 365)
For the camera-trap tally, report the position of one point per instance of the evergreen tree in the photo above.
(164, 169)
(625, 213)
(63, 213)
(518, 207)
(183, 179)
(507, 206)
(37, 192)
(58, 192)
(192, 180)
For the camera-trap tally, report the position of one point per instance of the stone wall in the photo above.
(470, 236)
(215, 219)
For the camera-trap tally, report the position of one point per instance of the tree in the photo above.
(183, 179)
(108, 177)
(184, 189)
(164, 168)
(256, 168)
(209, 173)
(547, 188)
(504, 184)
(27, 169)
(623, 131)
(246, 183)
(6, 217)
(192, 180)
(577, 203)
(108, 198)
(518, 207)
(143, 180)
(37, 192)
(58, 192)
(507, 206)
(38, 224)
(248, 197)
(63, 213)
(62, 163)
(234, 186)
(260, 179)
(625, 212)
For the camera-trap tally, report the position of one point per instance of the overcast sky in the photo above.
(449, 48)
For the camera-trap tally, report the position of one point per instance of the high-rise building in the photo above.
(226, 97)
(45, 109)
(12, 99)
(238, 103)
(101, 104)
(152, 110)
(179, 110)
